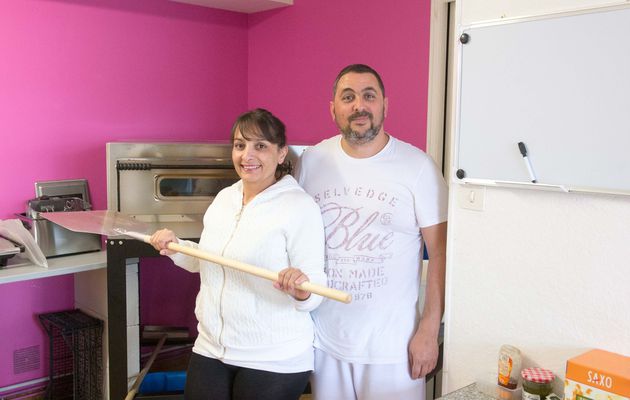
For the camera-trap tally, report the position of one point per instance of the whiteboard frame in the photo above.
(457, 130)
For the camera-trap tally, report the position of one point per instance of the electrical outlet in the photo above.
(471, 197)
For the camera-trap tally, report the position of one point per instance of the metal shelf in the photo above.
(62, 265)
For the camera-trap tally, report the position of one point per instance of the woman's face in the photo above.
(256, 159)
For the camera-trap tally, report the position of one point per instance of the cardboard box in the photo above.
(598, 375)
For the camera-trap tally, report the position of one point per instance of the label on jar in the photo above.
(509, 366)
(505, 369)
(529, 396)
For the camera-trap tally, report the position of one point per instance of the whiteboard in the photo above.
(560, 85)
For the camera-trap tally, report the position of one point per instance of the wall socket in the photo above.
(471, 197)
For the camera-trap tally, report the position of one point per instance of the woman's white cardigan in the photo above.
(243, 317)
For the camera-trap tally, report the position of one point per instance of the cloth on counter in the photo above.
(14, 230)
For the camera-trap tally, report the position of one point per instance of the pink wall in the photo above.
(76, 74)
(296, 52)
(19, 326)
(168, 294)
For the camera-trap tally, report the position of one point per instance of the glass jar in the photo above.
(509, 366)
(537, 383)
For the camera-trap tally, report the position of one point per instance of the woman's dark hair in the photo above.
(260, 123)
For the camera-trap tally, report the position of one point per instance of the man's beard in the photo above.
(359, 138)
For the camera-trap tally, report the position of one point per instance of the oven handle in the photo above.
(145, 166)
(250, 269)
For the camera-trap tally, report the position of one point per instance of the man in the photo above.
(380, 198)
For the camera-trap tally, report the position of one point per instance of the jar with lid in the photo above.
(509, 366)
(537, 383)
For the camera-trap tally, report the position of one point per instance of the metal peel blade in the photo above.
(112, 223)
(107, 223)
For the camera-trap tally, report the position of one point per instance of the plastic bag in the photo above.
(14, 230)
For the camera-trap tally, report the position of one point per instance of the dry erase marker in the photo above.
(528, 164)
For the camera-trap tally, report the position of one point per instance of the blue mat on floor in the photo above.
(163, 382)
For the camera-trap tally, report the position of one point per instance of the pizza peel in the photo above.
(113, 223)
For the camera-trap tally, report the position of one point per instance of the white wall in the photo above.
(547, 272)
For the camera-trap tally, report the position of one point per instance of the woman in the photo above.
(255, 337)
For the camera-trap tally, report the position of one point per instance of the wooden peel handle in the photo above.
(136, 385)
(250, 269)
(260, 272)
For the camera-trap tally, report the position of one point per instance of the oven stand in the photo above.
(120, 254)
(122, 257)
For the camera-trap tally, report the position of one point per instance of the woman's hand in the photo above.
(287, 281)
(160, 239)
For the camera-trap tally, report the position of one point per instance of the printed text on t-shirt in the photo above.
(356, 243)
(357, 191)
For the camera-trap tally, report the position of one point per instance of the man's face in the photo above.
(359, 107)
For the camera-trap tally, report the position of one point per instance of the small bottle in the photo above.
(537, 383)
(509, 366)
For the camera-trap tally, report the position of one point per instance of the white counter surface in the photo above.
(56, 266)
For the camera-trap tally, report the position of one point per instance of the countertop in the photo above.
(483, 390)
(470, 392)
(56, 266)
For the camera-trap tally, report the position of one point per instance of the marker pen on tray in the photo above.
(528, 164)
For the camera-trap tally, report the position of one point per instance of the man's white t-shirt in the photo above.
(373, 209)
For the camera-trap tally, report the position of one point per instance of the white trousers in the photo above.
(338, 380)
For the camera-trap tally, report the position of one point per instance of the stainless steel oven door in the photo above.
(172, 187)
